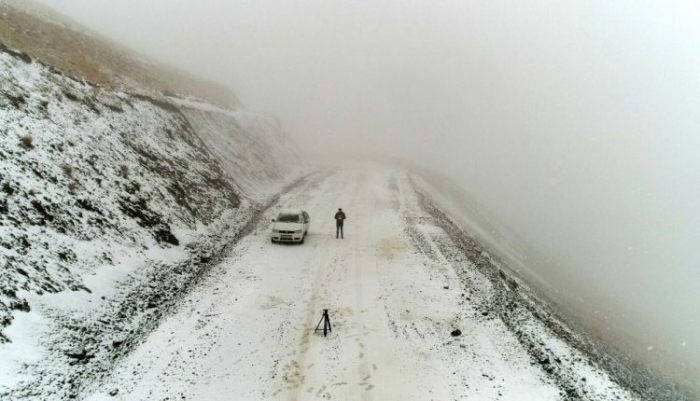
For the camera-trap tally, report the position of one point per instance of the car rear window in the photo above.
(288, 218)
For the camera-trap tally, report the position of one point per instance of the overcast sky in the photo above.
(575, 122)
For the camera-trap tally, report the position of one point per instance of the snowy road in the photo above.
(394, 295)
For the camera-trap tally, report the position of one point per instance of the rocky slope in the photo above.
(241, 139)
(111, 205)
(69, 47)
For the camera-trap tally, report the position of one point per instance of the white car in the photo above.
(290, 226)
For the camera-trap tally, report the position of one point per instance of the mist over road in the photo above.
(574, 125)
(549, 219)
(398, 287)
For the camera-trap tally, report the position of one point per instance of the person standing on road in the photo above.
(339, 219)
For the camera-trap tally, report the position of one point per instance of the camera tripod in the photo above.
(326, 320)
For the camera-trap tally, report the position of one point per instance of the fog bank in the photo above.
(574, 124)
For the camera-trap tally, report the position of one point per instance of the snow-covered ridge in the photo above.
(98, 187)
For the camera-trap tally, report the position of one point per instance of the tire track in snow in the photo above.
(319, 300)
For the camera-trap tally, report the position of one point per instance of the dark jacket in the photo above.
(339, 217)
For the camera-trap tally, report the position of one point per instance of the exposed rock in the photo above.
(80, 354)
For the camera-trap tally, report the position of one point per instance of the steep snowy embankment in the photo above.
(111, 206)
(251, 146)
(459, 213)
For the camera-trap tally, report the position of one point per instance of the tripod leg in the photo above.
(321, 321)
(326, 323)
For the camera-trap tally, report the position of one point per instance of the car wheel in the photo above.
(302, 239)
(272, 240)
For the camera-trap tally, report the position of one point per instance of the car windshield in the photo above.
(288, 218)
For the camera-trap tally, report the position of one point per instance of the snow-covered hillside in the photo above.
(110, 205)
(65, 44)
(252, 147)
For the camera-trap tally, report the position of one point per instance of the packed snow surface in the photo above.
(414, 314)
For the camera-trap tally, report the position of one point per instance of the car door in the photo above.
(307, 221)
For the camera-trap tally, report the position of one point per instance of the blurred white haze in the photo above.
(576, 124)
